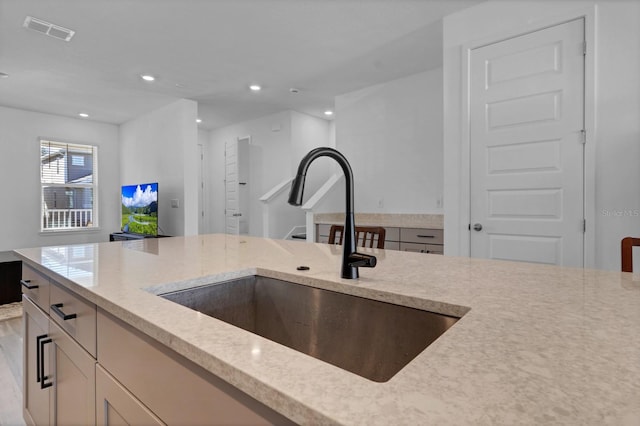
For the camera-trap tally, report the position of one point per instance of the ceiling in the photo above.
(210, 51)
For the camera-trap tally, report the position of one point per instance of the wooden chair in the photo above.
(626, 250)
(366, 236)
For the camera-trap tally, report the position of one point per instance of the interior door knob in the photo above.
(477, 227)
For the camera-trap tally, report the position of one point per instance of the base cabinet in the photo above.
(416, 240)
(117, 406)
(59, 375)
(173, 388)
(35, 401)
(82, 366)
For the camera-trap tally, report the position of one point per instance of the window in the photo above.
(68, 178)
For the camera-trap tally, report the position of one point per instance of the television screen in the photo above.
(140, 209)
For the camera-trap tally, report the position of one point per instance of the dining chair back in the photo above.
(626, 252)
(366, 236)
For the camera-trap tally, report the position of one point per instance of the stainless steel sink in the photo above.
(367, 337)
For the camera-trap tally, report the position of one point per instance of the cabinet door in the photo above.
(116, 406)
(35, 404)
(73, 398)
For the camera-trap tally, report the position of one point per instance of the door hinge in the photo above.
(583, 136)
(584, 48)
(584, 225)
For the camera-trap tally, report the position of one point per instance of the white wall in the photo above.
(161, 146)
(278, 142)
(391, 134)
(20, 176)
(613, 175)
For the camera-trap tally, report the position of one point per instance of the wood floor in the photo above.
(11, 372)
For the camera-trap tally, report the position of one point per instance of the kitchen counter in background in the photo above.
(418, 233)
(393, 220)
(535, 345)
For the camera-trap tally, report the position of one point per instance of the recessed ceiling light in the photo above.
(83, 115)
(4, 75)
(328, 112)
(147, 77)
(198, 120)
(255, 87)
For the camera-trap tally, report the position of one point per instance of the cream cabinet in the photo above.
(117, 406)
(59, 375)
(152, 380)
(82, 366)
(418, 240)
(422, 240)
(36, 395)
(36, 286)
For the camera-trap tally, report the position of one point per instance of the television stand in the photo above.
(124, 236)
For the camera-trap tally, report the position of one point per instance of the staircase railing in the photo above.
(316, 199)
(267, 199)
(309, 207)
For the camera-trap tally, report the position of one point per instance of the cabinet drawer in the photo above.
(80, 316)
(421, 248)
(391, 234)
(36, 286)
(391, 245)
(423, 236)
(323, 229)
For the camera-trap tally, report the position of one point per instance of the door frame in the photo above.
(589, 207)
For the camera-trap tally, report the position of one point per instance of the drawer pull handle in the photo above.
(38, 339)
(425, 236)
(41, 375)
(25, 283)
(57, 309)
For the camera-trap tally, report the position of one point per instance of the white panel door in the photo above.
(526, 153)
(231, 185)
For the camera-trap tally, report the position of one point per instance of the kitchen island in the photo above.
(535, 344)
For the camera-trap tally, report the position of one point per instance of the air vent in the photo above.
(48, 28)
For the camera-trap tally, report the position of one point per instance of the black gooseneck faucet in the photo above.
(351, 259)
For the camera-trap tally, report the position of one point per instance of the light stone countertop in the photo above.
(536, 344)
(395, 220)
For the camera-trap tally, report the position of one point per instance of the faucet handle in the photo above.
(362, 260)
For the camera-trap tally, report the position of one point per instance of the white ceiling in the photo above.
(209, 51)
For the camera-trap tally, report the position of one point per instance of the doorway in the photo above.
(527, 147)
(237, 186)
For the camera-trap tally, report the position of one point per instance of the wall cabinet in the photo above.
(418, 240)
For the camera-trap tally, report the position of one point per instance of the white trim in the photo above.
(242, 138)
(589, 15)
(311, 227)
(266, 198)
(88, 230)
(95, 157)
(322, 192)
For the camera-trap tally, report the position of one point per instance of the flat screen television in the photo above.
(140, 209)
